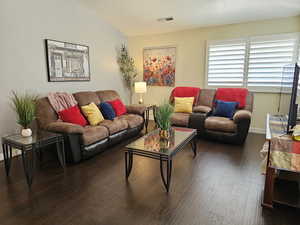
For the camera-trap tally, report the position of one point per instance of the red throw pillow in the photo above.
(185, 92)
(73, 115)
(233, 95)
(118, 107)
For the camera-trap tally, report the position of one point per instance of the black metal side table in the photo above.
(30, 147)
(147, 114)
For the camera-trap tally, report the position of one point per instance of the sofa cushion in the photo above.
(202, 109)
(73, 115)
(86, 97)
(92, 113)
(180, 119)
(107, 95)
(249, 101)
(238, 95)
(107, 110)
(184, 105)
(220, 124)
(114, 126)
(225, 109)
(118, 107)
(207, 97)
(92, 134)
(185, 92)
(133, 120)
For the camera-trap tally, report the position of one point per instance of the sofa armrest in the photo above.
(241, 115)
(63, 127)
(136, 109)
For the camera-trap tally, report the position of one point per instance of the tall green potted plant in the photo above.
(127, 68)
(25, 108)
(163, 119)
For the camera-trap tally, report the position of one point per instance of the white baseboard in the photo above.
(1, 156)
(257, 130)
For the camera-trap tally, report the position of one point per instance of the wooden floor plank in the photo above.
(222, 185)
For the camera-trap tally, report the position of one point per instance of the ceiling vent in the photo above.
(165, 19)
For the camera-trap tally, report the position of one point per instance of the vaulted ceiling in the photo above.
(139, 17)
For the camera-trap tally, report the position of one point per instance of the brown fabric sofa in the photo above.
(212, 127)
(83, 142)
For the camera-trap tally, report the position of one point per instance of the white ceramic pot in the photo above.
(26, 132)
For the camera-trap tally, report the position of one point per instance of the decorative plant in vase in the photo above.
(127, 68)
(163, 114)
(25, 107)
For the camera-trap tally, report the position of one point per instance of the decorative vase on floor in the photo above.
(26, 132)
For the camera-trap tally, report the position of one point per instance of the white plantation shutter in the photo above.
(267, 58)
(226, 63)
(256, 63)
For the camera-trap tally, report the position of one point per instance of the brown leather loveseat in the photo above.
(83, 142)
(221, 129)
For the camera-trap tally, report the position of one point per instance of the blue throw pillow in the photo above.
(225, 109)
(107, 110)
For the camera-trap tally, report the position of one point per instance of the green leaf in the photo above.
(163, 114)
(25, 107)
(126, 66)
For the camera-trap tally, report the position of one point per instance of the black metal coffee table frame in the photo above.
(163, 158)
(29, 162)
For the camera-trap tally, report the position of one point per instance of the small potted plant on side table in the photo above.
(163, 114)
(25, 107)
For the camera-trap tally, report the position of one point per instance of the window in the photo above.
(226, 63)
(256, 62)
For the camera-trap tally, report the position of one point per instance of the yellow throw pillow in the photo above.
(92, 113)
(184, 105)
(296, 133)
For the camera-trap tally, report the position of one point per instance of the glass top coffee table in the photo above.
(153, 146)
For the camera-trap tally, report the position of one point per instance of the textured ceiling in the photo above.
(139, 17)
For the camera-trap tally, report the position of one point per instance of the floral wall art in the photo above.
(159, 66)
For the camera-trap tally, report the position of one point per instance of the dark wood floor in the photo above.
(222, 185)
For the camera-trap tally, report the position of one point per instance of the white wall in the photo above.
(191, 58)
(23, 27)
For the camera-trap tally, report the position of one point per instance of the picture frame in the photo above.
(159, 65)
(67, 62)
